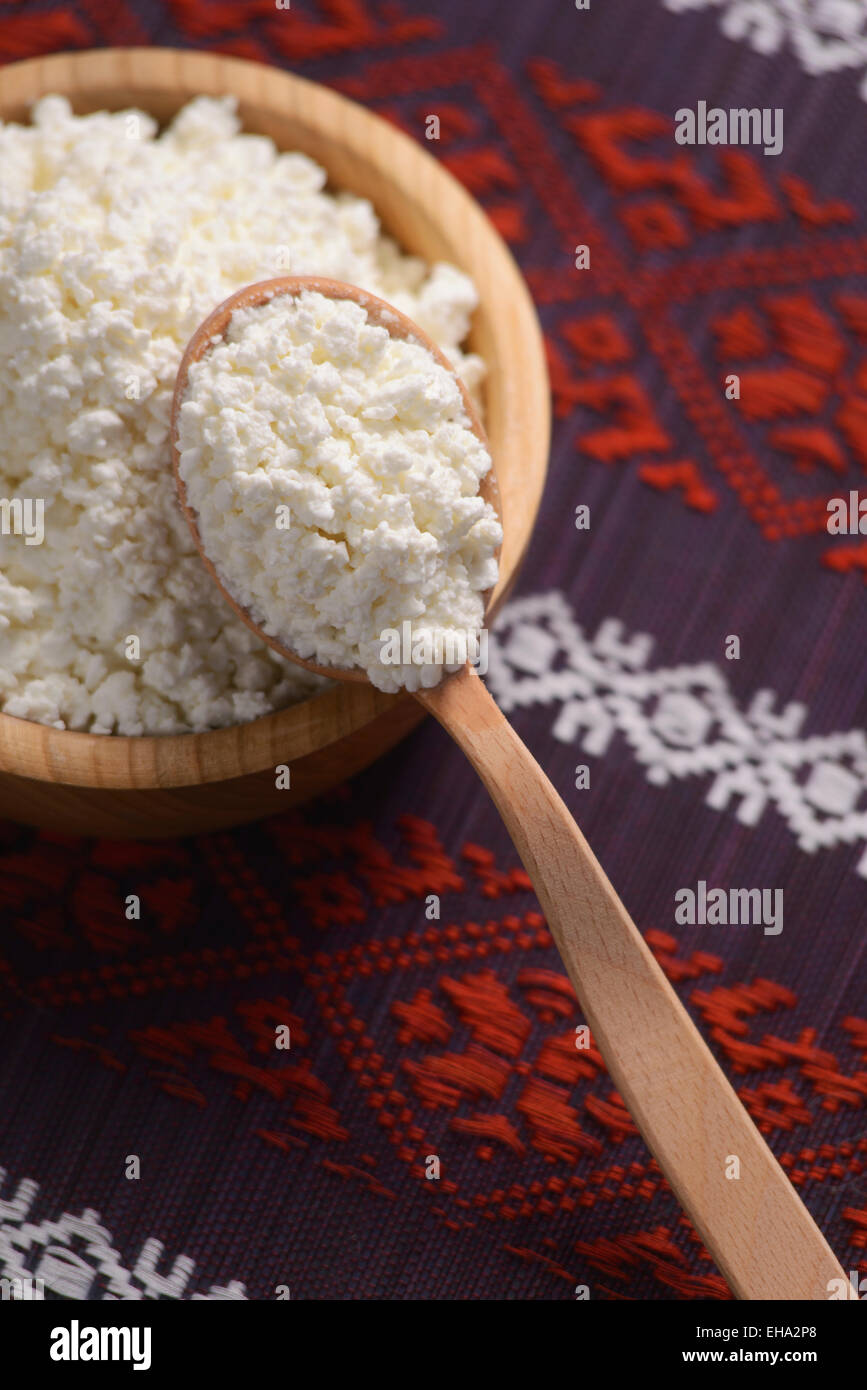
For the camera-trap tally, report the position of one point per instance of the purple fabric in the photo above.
(152, 1038)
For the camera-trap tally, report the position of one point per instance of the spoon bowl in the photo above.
(380, 313)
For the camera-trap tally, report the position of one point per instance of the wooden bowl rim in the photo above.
(42, 753)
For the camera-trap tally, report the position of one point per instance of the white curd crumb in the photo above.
(335, 479)
(116, 241)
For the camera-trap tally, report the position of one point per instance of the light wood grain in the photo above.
(154, 786)
(756, 1227)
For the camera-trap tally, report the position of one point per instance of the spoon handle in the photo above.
(761, 1235)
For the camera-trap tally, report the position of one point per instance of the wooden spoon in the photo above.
(759, 1232)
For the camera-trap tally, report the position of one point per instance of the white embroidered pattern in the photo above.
(681, 721)
(73, 1257)
(825, 35)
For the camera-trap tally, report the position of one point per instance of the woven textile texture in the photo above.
(411, 1035)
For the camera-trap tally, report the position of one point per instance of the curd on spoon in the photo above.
(333, 470)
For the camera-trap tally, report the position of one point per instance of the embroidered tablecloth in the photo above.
(710, 390)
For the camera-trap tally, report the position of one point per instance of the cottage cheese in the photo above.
(115, 243)
(335, 479)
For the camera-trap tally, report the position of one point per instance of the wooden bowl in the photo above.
(93, 784)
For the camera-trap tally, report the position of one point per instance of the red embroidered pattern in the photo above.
(481, 1063)
(790, 353)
